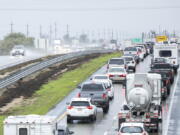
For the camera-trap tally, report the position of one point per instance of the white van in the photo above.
(33, 125)
(169, 52)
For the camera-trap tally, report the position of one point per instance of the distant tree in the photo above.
(83, 38)
(16, 39)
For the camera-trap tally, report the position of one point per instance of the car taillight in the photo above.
(147, 115)
(111, 75)
(89, 107)
(122, 75)
(155, 115)
(104, 96)
(69, 107)
(162, 90)
(79, 95)
(127, 116)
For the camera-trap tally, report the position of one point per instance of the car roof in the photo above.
(132, 124)
(80, 99)
(117, 67)
(92, 82)
(116, 58)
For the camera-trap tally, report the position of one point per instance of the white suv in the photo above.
(133, 128)
(81, 109)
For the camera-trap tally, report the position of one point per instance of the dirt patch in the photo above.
(28, 85)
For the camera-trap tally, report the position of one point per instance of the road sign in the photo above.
(136, 40)
(161, 39)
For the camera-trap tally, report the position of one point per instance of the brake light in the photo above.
(70, 107)
(127, 116)
(104, 96)
(162, 90)
(122, 75)
(147, 115)
(111, 75)
(155, 115)
(79, 95)
(89, 107)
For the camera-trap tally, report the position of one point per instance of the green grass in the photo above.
(54, 91)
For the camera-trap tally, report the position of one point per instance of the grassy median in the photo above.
(54, 91)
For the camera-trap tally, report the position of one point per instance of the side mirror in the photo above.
(79, 86)
(116, 129)
(90, 78)
(71, 132)
(67, 103)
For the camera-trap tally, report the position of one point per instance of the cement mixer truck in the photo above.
(143, 100)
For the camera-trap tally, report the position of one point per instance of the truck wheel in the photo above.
(106, 109)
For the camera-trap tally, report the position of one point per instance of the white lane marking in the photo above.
(171, 104)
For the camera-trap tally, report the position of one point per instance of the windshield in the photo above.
(100, 77)
(130, 49)
(116, 61)
(79, 103)
(116, 70)
(131, 129)
(92, 87)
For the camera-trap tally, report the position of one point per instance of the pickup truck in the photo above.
(97, 92)
(166, 67)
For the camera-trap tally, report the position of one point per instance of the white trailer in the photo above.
(143, 100)
(33, 125)
(169, 52)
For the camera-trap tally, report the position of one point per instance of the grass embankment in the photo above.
(54, 91)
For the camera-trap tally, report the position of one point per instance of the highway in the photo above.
(107, 123)
(7, 61)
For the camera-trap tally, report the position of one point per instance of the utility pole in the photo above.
(55, 30)
(112, 34)
(50, 33)
(11, 25)
(67, 29)
(27, 30)
(40, 31)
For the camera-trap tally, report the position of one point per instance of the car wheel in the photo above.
(69, 120)
(106, 109)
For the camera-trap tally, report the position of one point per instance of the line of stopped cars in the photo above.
(141, 112)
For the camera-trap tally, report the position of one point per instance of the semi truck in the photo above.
(143, 100)
(34, 125)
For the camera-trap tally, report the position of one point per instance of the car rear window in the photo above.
(161, 66)
(130, 49)
(165, 53)
(79, 103)
(116, 61)
(131, 129)
(128, 59)
(100, 77)
(116, 70)
(92, 87)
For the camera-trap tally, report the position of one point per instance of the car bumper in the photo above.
(79, 117)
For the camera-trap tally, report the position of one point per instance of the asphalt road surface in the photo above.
(107, 123)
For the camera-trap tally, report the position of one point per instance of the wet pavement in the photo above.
(108, 122)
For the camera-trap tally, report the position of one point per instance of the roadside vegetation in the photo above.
(13, 39)
(54, 91)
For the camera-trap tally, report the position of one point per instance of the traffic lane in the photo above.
(60, 108)
(144, 66)
(105, 122)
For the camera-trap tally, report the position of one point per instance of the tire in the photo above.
(172, 80)
(134, 70)
(69, 120)
(168, 90)
(106, 109)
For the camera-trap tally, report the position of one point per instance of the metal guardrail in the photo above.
(41, 65)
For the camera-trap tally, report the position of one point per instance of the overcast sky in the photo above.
(127, 17)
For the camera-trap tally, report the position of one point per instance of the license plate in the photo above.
(79, 109)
